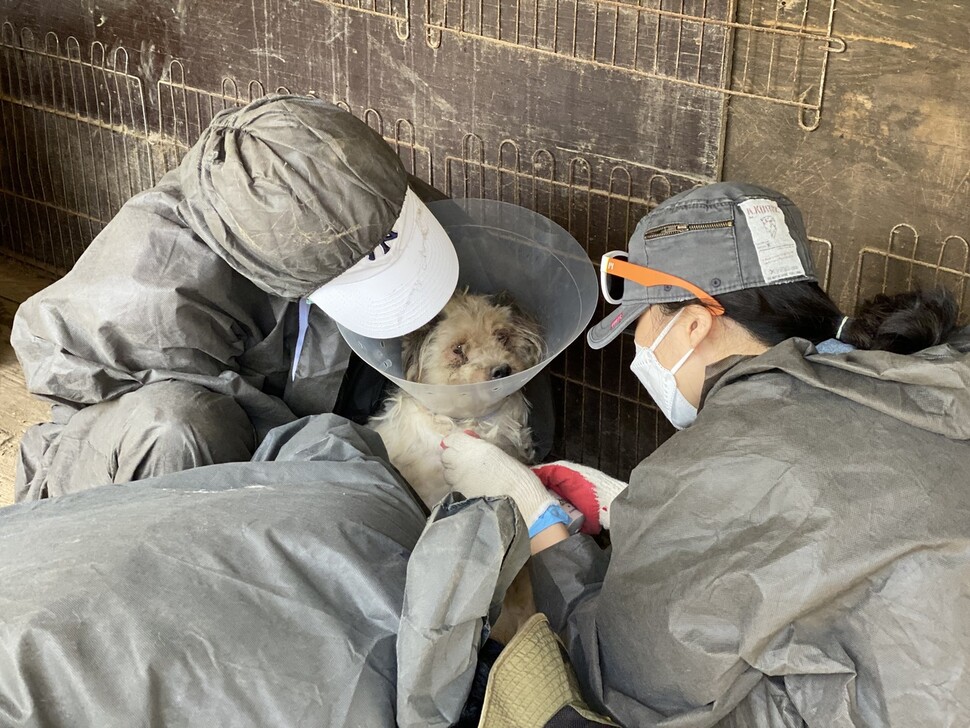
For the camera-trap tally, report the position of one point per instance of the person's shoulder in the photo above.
(160, 201)
(148, 236)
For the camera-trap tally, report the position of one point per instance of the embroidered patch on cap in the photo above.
(777, 250)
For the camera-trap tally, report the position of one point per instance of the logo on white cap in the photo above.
(401, 284)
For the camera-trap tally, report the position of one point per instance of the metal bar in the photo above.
(750, 26)
(647, 74)
(20, 151)
(54, 206)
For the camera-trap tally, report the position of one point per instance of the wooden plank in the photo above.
(19, 282)
(8, 462)
(7, 311)
(18, 411)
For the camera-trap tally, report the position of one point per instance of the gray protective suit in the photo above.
(169, 345)
(800, 556)
(305, 588)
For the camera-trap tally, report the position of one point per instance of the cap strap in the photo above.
(304, 325)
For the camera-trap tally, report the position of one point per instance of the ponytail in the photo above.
(903, 323)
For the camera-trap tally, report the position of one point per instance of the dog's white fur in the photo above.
(474, 339)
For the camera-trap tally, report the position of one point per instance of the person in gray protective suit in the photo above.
(184, 333)
(307, 587)
(799, 553)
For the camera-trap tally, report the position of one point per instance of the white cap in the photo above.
(400, 286)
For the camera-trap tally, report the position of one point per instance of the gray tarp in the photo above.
(195, 280)
(800, 556)
(250, 594)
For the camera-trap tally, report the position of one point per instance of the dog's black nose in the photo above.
(501, 371)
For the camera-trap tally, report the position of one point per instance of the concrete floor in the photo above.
(18, 410)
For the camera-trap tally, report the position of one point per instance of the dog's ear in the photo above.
(411, 349)
(527, 335)
(527, 338)
(504, 298)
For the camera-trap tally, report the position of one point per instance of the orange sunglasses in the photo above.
(614, 268)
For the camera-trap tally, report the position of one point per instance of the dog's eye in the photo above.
(459, 351)
(503, 336)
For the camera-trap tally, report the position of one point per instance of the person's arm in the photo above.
(147, 300)
(572, 567)
(477, 468)
(567, 571)
(549, 537)
(572, 573)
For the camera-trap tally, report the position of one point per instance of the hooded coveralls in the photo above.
(799, 556)
(304, 588)
(170, 343)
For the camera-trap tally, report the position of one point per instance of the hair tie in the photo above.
(838, 332)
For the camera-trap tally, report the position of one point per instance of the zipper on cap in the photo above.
(677, 228)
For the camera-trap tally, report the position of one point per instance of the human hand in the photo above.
(477, 468)
(590, 491)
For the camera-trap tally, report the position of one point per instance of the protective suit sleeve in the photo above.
(147, 302)
(566, 581)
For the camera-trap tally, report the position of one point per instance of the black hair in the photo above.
(902, 323)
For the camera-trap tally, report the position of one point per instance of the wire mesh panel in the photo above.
(75, 143)
(597, 200)
(782, 50)
(822, 257)
(782, 46)
(907, 262)
(184, 111)
(637, 37)
(606, 418)
(397, 10)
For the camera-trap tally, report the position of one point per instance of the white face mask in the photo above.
(660, 382)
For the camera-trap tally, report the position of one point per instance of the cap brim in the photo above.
(404, 295)
(613, 325)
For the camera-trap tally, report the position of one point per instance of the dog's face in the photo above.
(474, 339)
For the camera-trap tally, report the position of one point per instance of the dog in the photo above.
(475, 338)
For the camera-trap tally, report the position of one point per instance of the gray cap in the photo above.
(721, 237)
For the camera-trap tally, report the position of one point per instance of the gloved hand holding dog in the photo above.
(477, 468)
